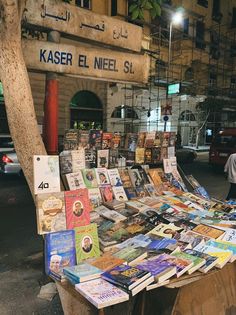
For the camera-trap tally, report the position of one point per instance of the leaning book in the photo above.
(59, 253)
(101, 293)
(50, 210)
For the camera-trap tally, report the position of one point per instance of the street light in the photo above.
(175, 19)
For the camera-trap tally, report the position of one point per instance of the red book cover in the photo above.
(77, 208)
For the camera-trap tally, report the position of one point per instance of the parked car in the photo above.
(9, 163)
(185, 155)
(6, 143)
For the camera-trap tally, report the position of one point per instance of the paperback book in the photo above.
(90, 179)
(84, 139)
(95, 198)
(75, 180)
(114, 177)
(78, 159)
(119, 193)
(65, 159)
(102, 176)
(107, 140)
(90, 158)
(82, 272)
(125, 178)
(95, 139)
(106, 262)
(103, 158)
(211, 261)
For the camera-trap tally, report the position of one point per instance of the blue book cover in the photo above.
(161, 243)
(126, 276)
(82, 272)
(59, 252)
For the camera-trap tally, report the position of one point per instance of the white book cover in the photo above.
(229, 236)
(119, 193)
(78, 159)
(94, 197)
(171, 152)
(103, 158)
(46, 174)
(75, 180)
(113, 216)
(102, 176)
(114, 177)
(101, 293)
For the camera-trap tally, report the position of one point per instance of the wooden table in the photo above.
(198, 294)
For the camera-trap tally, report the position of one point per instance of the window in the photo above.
(212, 79)
(186, 26)
(86, 4)
(123, 112)
(203, 3)
(200, 31)
(233, 50)
(214, 45)
(216, 14)
(113, 7)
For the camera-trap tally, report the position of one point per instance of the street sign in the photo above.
(87, 62)
(166, 118)
(76, 22)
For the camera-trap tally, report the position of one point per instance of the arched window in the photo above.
(187, 115)
(86, 111)
(123, 112)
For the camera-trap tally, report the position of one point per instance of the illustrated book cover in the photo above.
(82, 272)
(102, 176)
(103, 158)
(95, 197)
(90, 179)
(78, 159)
(114, 177)
(119, 193)
(75, 180)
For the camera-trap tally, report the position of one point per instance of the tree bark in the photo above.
(17, 91)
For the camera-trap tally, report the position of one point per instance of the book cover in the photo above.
(50, 210)
(155, 176)
(113, 215)
(107, 140)
(160, 270)
(95, 198)
(144, 175)
(82, 272)
(141, 139)
(225, 246)
(126, 276)
(172, 139)
(114, 177)
(106, 193)
(90, 158)
(84, 139)
(192, 238)
(114, 158)
(208, 231)
(65, 159)
(148, 156)
(46, 174)
(116, 139)
(102, 176)
(77, 208)
(156, 155)
(119, 193)
(139, 155)
(95, 139)
(71, 139)
(90, 179)
(78, 159)
(59, 252)
(165, 139)
(106, 262)
(164, 153)
(75, 180)
(211, 261)
(198, 262)
(136, 205)
(229, 236)
(158, 139)
(86, 242)
(125, 178)
(130, 193)
(151, 190)
(128, 212)
(131, 141)
(166, 230)
(135, 177)
(160, 243)
(131, 255)
(103, 158)
(101, 293)
(130, 158)
(150, 138)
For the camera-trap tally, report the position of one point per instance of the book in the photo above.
(131, 141)
(90, 158)
(141, 139)
(102, 176)
(151, 190)
(154, 174)
(135, 178)
(131, 255)
(160, 269)
(90, 179)
(131, 193)
(59, 250)
(148, 156)
(46, 174)
(114, 159)
(139, 155)
(130, 158)
(209, 231)
(70, 140)
(82, 272)
(165, 139)
(101, 293)
(210, 261)
(141, 191)
(107, 140)
(106, 262)
(103, 158)
(125, 178)
(223, 255)
(156, 155)
(158, 139)
(126, 276)
(75, 180)
(77, 208)
(143, 175)
(95, 197)
(50, 210)
(65, 160)
(136, 205)
(198, 262)
(83, 139)
(86, 242)
(78, 159)
(116, 139)
(192, 238)
(106, 193)
(166, 230)
(114, 177)
(150, 138)
(113, 215)
(119, 193)
(229, 236)
(225, 246)
(95, 139)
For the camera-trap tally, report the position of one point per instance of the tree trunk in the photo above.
(17, 91)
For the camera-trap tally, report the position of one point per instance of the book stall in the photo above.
(126, 236)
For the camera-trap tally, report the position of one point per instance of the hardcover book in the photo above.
(95, 197)
(114, 177)
(125, 178)
(95, 139)
(119, 193)
(78, 159)
(102, 176)
(82, 272)
(77, 208)
(101, 293)
(107, 140)
(86, 242)
(59, 253)
(103, 158)
(75, 180)
(46, 174)
(50, 209)
(90, 179)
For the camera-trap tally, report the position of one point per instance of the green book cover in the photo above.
(90, 178)
(86, 242)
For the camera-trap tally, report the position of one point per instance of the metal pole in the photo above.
(168, 69)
